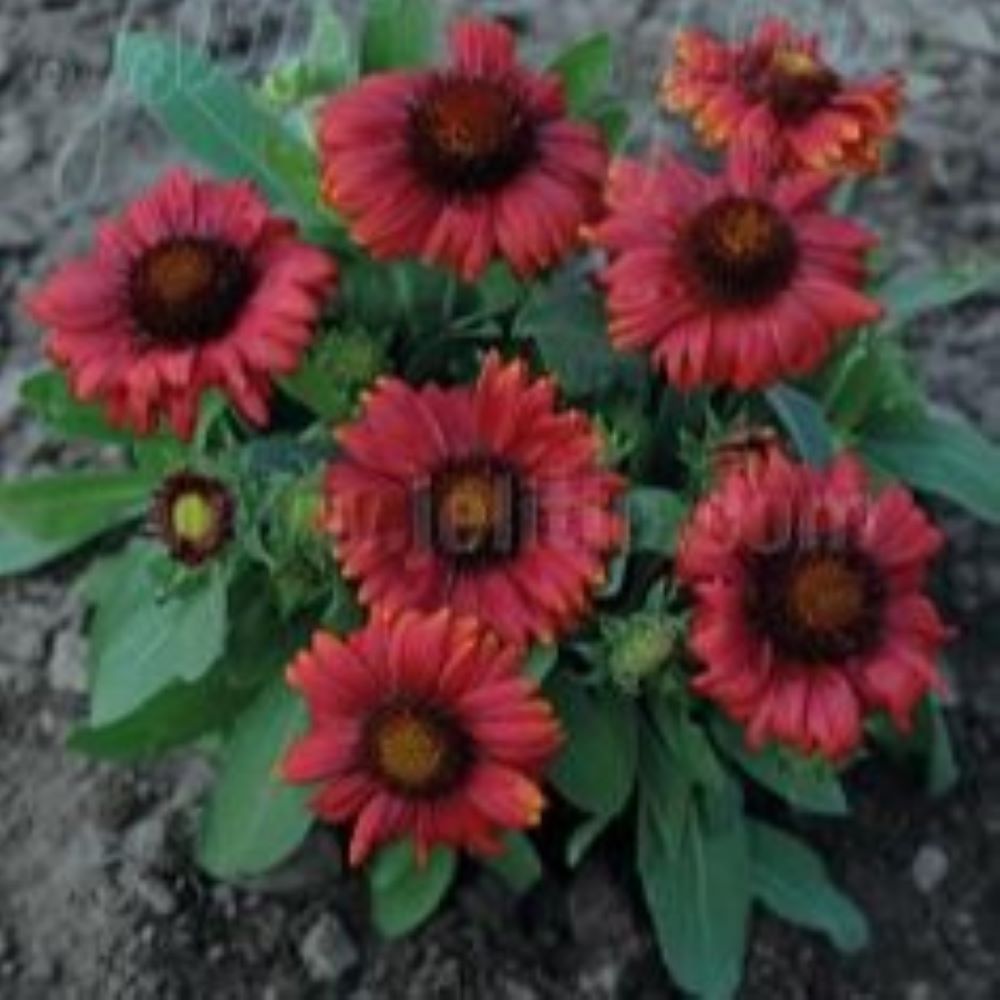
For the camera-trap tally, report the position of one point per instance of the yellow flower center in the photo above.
(188, 290)
(476, 511)
(796, 63)
(741, 251)
(193, 518)
(826, 594)
(416, 751)
(471, 134)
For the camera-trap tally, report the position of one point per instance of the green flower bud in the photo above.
(639, 647)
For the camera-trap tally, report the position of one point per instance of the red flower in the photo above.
(195, 286)
(422, 727)
(776, 90)
(740, 279)
(193, 516)
(810, 611)
(463, 164)
(482, 499)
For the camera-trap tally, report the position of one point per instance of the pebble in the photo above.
(145, 841)
(327, 950)
(66, 669)
(919, 991)
(149, 890)
(17, 144)
(930, 868)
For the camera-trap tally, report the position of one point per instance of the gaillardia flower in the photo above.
(484, 499)
(193, 516)
(775, 90)
(810, 609)
(465, 163)
(740, 279)
(422, 726)
(195, 286)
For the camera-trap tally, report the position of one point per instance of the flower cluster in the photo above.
(540, 521)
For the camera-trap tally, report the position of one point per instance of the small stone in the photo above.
(145, 841)
(919, 991)
(66, 670)
(930, 867)
(150, 891)
(327, 951)
(17, 145)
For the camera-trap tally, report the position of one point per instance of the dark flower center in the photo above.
(817, 603)
(193, 516)
(417, 750)
(476, 513)
(794, 83)
(189, 290)
(740, 251)
(469, 135)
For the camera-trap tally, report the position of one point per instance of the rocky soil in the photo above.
(98, 897)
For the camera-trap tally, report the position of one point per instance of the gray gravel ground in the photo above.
(98, 898)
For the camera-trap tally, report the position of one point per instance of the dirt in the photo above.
(99, 898)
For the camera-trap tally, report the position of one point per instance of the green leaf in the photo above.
(614, 120)
(140, 642)
(942, 768)
(809, 785)
(584, 837)
(403, 893)
(253, 821)
(43, 519)
(585, 69)
(566, 321)
(519, 865)
(541, 661)
(869, 382)
(398, 34)
(179, 714)
(914, 294)
(791, 879)
(696, 881)
(929, 741)
(596, 768)
(329, 62)
(48, 395)
(220, 122)
(655, 518)
(805, 422)
(943, 455)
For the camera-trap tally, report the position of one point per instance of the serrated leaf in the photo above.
(585, 69)
(398, 34)
(566, 321)
(806, 424)
(43, 519)
(941, 454)
(655, 517)
(403, 893)
(220, 122)
(142, 643)
(791, 879)
(810, 785)
(253, 820)
(597, 765)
